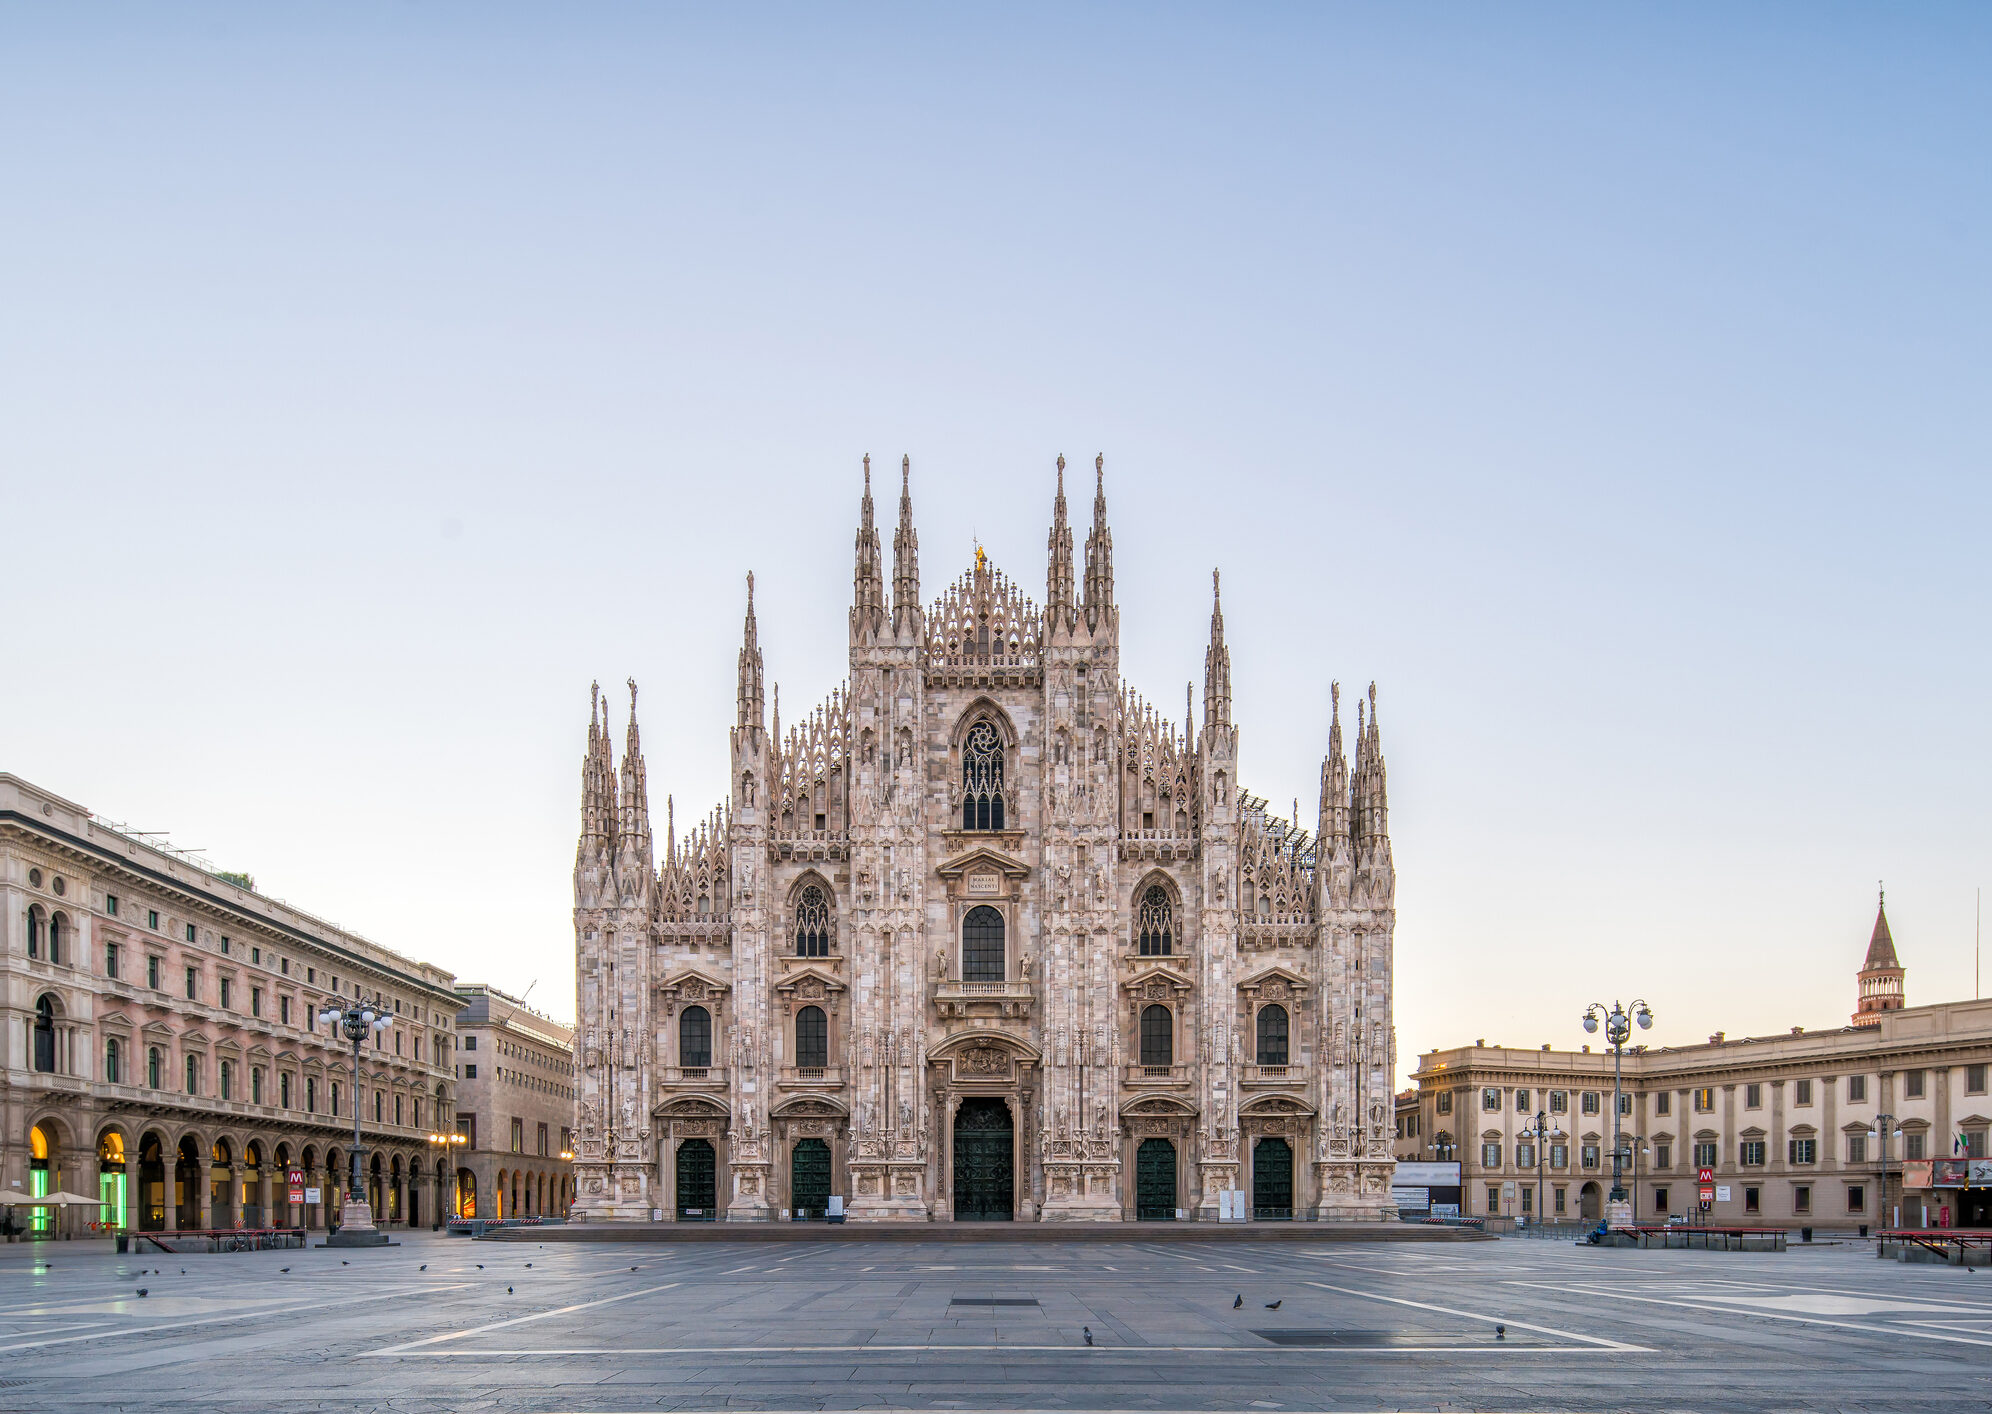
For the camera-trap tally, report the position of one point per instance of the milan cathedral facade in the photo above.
(983, 937)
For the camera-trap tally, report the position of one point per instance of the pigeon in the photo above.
(632, 1268)
(1274, 1305)
(1237, 1301)
(141, 1291)
(285, 1270)
(529, 1264)
(425, 1266)
(344, 1263)
(183, 1271)
(508, 1291)
(1500, 1332)
(480, 1266)
(1087, 1331)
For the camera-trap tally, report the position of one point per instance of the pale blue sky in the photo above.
(1608, 383)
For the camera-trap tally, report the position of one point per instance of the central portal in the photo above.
(984, 1162)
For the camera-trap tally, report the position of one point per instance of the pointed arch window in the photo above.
(695, 1038)
(982, 779)
(1158, 1036)
(812, 923)
(1157, 923)
(1272, 1035)
(812, 1038)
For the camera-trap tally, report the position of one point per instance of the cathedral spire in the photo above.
(633, 833)
(905, 556)
(1371, 799)
(600, 815)
(598, 782)
(1334, 824)
(1099, 551)
(868, 579)
(1058, 605)
(1217, 663)
(750, 665)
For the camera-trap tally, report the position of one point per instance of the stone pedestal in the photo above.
(1353, 1191)
(1619, 1214)
(356, 1227)
(892, 1193)
(1085, 1192)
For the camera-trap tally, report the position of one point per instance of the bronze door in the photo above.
(983, 1156)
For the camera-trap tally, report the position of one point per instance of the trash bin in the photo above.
(1805, 1234)
(1863, 1229)
(124, 1243)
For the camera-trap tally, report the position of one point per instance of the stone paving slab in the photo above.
(599, 1328)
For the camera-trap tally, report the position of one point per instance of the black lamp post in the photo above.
(1618, 1020)
(1541, 1131)
(356, 1225)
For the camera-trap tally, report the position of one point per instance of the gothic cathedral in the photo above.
(983, 937)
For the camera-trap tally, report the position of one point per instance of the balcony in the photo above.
(986, 1001)
(1156, 1077)
(1274, 1077)
(693, 1077)
(812, 1077)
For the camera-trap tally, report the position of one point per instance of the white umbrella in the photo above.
(50, 1200)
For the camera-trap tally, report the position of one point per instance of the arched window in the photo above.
(34, 931)
(113, 1061)
(1158, 1036)
(812, 1037)
(982, 779)
(1272, 1035)
(1265, 906)
(812, 923)
(58, 934)
(1157, 922)
(982, 945)
(1248, 900)
(695, 1037)
(45, 1035)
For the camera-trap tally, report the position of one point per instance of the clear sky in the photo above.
(1610, 384)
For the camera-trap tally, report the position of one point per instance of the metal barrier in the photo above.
(240, 1239)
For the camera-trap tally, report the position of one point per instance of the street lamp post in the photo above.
(1619, 1020)
(356, 1224)
(1541, 1131)
(1883, 1124)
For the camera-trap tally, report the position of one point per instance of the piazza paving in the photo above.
(817, 1322)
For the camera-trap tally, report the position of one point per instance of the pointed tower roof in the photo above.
(1217, 662)
(1881, 946)
(868, 578)
(905, 557)
(598, 774)
(1099, 551)
(1878, 986)
(634, 825)
(1058, 600)
(750, 694)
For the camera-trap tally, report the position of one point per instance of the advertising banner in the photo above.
(1916, 1174)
